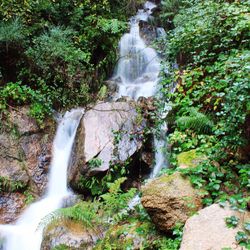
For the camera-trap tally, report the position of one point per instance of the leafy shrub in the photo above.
(207, 28)
(18, 94)
(211, 44)
(11, 31)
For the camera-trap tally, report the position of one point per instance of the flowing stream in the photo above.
(26, 234)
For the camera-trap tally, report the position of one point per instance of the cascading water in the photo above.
(137, 73)
(26, 234)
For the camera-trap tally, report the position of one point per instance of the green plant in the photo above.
(11, 32)
(95, 163)
(232, 221)
(19, 94)
(29, 197)
(242, 239)
(61, 247)
(7, 185)
(196, 121)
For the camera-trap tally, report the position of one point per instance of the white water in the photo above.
(137, 73)
(26, 234)
(138, 68)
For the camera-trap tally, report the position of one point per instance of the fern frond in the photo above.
(84, 212)
(196, 121)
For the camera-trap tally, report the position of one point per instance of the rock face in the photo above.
(71, 234)
(170, 199)
(11, 205)
(25, 152)
(208, 230)
(11, 160)
(108, 133)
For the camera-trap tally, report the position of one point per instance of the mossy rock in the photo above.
(189, 159)
(170, 199)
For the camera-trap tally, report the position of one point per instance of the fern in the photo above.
(115, 200)
(196, 121)
(11, 31)
(84, 212)
(94, 214)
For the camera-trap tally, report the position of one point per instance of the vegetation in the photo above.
(210, 106)
(56, 54)
(123, 227)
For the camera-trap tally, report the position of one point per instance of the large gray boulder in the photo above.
(170, 199)
(109, 132)
(208, 230)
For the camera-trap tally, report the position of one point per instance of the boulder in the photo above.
(71, 234)
(108, 133)
(170, 199)
(11, 205)
(208, 230)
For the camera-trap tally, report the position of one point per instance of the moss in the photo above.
(190, 158)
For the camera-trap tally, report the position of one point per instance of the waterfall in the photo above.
(137, 73)
(26, 234)
(138, 68)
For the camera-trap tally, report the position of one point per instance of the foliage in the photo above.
(206, 29)
(232, 221)
(29, 197)
(11, 31)
(18, 94)
(7, 185)
(98, 185)
(62, 50)
(210, 105)
(115, 200)
(196, 121)
(95, 163)
(96, 213)
(242, 239)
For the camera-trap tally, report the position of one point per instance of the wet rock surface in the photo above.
(170, 199)
(11, 205)
(25, 154)
(12, 164)
(208, 229)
